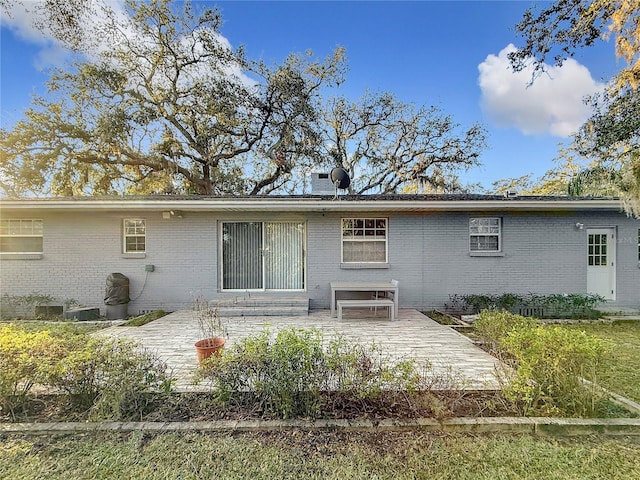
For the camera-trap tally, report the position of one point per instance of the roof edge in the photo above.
(309, 203)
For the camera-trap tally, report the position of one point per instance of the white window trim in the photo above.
(486, 253)
(25, 235)
(348, 264)
(133, 253)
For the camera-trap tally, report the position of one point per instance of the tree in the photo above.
(164, 105)
(66, 20)
(168, 107)
(572, 177)
(568, 25)
(388, 146)
(521, 185)
(611, 135)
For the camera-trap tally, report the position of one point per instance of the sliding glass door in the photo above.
(242, 256)
(263, 255)
(284, 256)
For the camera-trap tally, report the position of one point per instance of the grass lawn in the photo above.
(624, 376)
(340, 455)
(55, 326)
(144, 319)
(321, 455)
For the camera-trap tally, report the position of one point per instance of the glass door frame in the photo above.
(264, 224)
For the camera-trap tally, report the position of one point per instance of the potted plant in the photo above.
(212, 328)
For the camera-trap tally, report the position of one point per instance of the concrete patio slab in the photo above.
(412, 335)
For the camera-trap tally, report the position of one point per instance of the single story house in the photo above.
(173, 248)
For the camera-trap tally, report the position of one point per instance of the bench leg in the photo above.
(339, 312)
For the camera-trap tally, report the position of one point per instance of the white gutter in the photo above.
(310, 205)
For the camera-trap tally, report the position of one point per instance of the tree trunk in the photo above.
(205, 188)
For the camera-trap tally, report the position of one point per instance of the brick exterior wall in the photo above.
(428, 254)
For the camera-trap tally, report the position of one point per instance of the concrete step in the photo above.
(246, 306)
(612, 310)
(251, 301)
(262, 312)
(628, 317)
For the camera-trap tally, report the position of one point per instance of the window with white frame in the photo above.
(484, 235)
(135, 236)
(364, 240)
(20, 236)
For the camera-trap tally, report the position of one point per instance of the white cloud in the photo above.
(28, 21)
(22, 16)
(554, 104)
(20, 19)
(51, 55)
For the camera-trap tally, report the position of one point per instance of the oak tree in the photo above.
(166, 105)
(158, 102)
(611, 136)
(392, 147)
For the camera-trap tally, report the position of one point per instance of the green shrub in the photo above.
(574, 305)
(291, 374)
(109, 378)
(549, 363)
(26, 359)
(361, 371)
(19, 306)
(282, 373)
(505, 301)
(545, 364)
(493, 326)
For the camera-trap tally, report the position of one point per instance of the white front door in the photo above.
(601, 257)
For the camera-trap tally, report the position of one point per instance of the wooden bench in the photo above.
(371, 303)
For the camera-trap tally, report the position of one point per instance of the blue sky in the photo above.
(449, 54)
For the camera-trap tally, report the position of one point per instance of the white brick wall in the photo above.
(428, 254)
(81, 250)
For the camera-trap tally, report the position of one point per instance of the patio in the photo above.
(412, 335)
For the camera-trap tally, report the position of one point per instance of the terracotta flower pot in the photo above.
(209, 346)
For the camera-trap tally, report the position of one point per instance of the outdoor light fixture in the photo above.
(580, 226)
(171, 213)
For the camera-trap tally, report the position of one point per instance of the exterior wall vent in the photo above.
(530, 311)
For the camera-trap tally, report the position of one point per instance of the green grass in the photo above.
(319, 455)
(624, 375)
(55, 326)
(144, 319)
(442, 319)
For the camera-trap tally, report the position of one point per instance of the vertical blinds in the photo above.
(242, 255)
(284, 256)
(258, 255)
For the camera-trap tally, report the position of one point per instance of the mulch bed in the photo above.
(202, 407)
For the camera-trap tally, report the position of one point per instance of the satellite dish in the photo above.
(340, 178)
